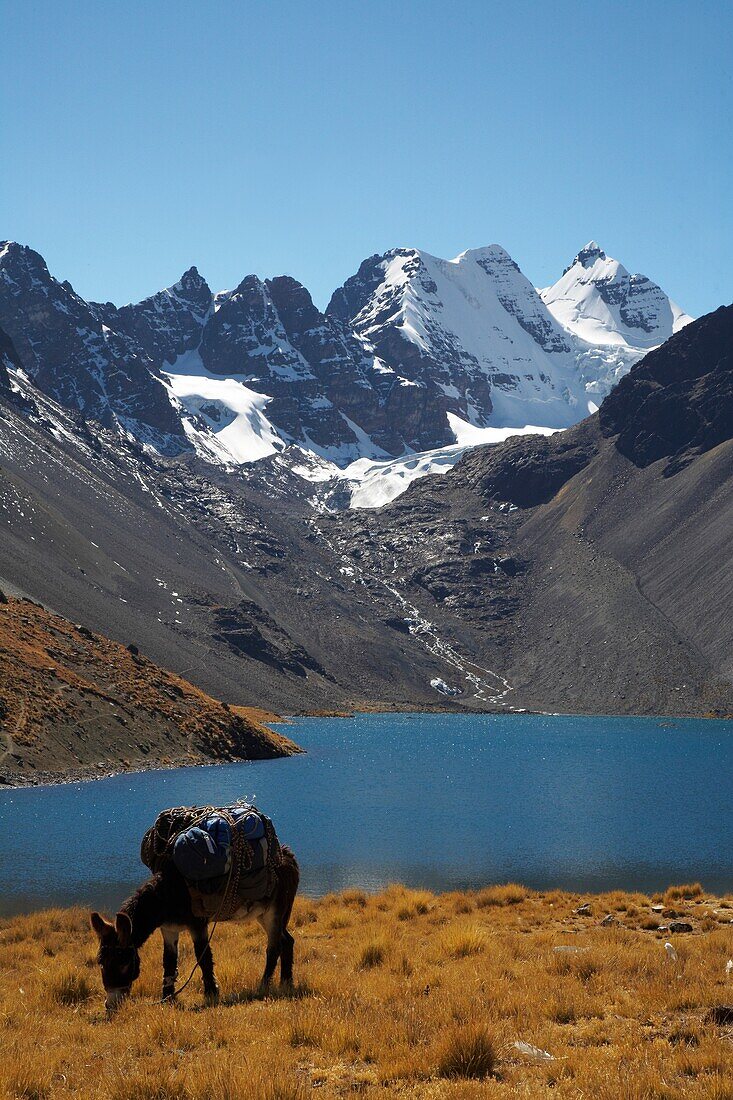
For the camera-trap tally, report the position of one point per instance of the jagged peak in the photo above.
(287, 282)
(588, 255)
(192, 275)
(13, 251)
(191, 290)
(12, 248)
(246, 285)
(286, 291)
(191, 282)
(488, 252)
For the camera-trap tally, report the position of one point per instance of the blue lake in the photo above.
(441, 801)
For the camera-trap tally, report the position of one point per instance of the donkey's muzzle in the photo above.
(115, 997)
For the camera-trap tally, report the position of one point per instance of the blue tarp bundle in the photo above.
(204, 851)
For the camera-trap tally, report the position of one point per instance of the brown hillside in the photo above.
(73, 702)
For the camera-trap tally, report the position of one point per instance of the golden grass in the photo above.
(467, 1052)
(260, 715)
(403, 993)
(685, 892)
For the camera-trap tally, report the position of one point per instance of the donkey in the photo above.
(164, 902)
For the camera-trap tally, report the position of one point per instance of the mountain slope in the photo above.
(72, 701)
(596, 565)
(222, 578)
(587, 571)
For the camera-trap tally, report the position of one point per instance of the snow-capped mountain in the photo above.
(617, 316)
(415, 359)
(598, 300)
(471, 331)
(226, 356)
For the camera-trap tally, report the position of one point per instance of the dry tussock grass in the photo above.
(404, 993)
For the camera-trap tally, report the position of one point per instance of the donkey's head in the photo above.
(117, 956)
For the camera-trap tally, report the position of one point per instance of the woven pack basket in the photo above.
(235, 890)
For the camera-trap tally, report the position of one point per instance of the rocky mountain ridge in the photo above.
(411, 354)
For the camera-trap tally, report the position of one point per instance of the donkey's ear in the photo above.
(123, 927)
(101, 926)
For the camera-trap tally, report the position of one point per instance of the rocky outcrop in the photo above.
(678, 402)
(345, 384)
(247, 629)
(529, 471)
(8, 361)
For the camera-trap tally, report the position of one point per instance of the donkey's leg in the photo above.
(170, 961)
(271, 921)
(205, 959)
(287, 944)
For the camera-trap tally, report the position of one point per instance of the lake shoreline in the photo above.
(97, 773)
(101, 770)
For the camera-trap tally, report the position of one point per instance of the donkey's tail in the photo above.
(288, 875)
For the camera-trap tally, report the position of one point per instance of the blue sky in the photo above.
(300, 136)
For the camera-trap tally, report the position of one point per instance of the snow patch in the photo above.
(445, 689)
(223, 418)
(374, 484)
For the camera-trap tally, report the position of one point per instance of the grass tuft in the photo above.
(684, 893)
(71, 988)
(460, 943)
(468, 1052)
(510, 894)
(372, 954)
